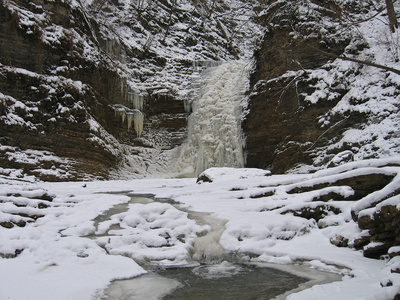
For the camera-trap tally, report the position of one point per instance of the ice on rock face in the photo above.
(215, 136)
(137, 100)
(137, 119)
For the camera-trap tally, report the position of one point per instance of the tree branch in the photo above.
(363, 62)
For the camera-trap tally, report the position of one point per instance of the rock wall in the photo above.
(283, 127)
(49, 96)
(68, 69)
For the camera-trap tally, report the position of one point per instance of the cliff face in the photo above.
(50, 95)
(282, 126)
(308, 110)
(102, 84)
(96, 87)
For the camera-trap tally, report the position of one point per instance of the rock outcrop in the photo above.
(383, 228)
(375, 195)
(302, 101)
(282, 127)
(75, 75)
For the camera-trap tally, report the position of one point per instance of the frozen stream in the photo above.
(210, 272)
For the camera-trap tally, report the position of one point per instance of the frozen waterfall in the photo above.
(215, 136)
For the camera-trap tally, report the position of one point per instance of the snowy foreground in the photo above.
(58, 250)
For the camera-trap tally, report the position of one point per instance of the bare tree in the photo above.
(393, 24)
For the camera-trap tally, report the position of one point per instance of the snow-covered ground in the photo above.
(60, 245)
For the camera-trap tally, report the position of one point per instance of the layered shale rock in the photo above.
(296, 113)
(100, 84)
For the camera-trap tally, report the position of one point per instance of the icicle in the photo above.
(137, 118)
(123, 56)
(138, 122)
(130, 119)
(123, 85)
(136, 99)
(130, 97)
(120, 113)
(141, 102)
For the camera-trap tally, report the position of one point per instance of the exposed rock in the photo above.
(394, 251)
(20, 223)
(64, 67)
(7, 225)
(375, 250)
(11, 255)
(52, 121)
(384, 230)
(282, 127)
(167, 121)
(340, 241)
(317, 213)
(341, 158)
(46, 197)
(203, 177)
(361, 242)
(261, 195)
(362, 186)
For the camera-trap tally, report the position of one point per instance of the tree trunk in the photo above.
(392, 15)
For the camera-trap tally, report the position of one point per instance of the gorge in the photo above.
(275, 116)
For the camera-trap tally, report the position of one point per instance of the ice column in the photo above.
(215, 136)
(133, 115)
(136, 117)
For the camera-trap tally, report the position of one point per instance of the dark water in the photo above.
(230, 281)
